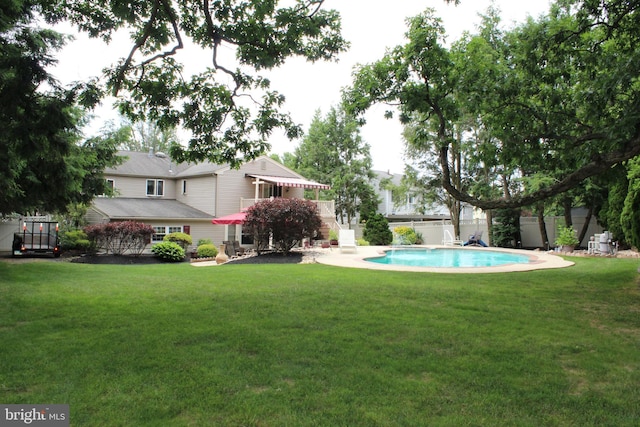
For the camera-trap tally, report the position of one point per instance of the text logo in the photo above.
(34, 415)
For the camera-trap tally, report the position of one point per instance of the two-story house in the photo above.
(185, 197)
(408, 210)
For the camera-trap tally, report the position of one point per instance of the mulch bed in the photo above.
(269, 258)
(265, 258)
(117, 259)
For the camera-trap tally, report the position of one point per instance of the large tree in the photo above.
(333, 152)
(560, 95)
(229, 108)
(45, 166)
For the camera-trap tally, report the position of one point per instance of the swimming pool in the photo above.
(444, 257)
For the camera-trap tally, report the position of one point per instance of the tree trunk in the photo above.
(518, 233)
(585, 227)
(542, 226)
(489, 214)
(566, 205)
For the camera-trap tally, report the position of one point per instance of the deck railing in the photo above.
(326, 208)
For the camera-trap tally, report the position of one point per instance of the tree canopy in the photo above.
(46, 166)
(333, 152)
(557, 96)
(228, 109)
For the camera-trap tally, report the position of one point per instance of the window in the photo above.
(109, 188)
(155, 187)
(162, 230)
(271, 190)
(184, 186)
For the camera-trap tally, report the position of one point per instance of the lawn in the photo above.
(312, 345)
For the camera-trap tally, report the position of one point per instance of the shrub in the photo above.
(207, 250)
(120, 237)
(204, 242)
(362, 242)
(288, 221)
(404, 236)
(183, 239)
(376, 230)
(506, 228)
(168, 251)
(567, 237)
(74, 239)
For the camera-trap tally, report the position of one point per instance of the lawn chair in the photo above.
(347, 240)
(239, 250)
(476, 239)
(228, 248)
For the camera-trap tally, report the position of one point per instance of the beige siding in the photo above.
(201, 193)
(266, 166)
(95, 217)
(198, 229)
(234, 184)
(7, 228)
(133, 186)
(206, 230)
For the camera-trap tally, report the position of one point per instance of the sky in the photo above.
(371, 26)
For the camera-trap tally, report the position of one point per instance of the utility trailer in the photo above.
(37, 237)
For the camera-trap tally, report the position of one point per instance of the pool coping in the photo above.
(356, 259)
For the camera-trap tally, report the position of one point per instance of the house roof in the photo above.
(160, 165)
(396, 178)
(133, 208)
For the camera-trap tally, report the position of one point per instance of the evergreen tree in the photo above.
(333, 152)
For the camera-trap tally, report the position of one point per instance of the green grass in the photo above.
(312, 345)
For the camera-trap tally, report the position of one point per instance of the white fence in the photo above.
(433, 231)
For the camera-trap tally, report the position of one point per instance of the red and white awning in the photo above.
(282, 181)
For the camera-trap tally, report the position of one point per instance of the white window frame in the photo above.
(184, 186)
(159, 231)
(158, 187)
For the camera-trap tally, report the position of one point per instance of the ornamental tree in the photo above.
(286, 222)
(120, 238)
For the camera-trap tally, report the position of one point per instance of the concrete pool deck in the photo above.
(540, 260)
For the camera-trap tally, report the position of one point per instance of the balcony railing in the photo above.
(326, 208)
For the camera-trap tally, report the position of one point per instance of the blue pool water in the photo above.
(449, 258)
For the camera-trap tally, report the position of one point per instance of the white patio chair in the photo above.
(347, 240)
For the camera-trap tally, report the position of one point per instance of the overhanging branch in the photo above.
(593, 168)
